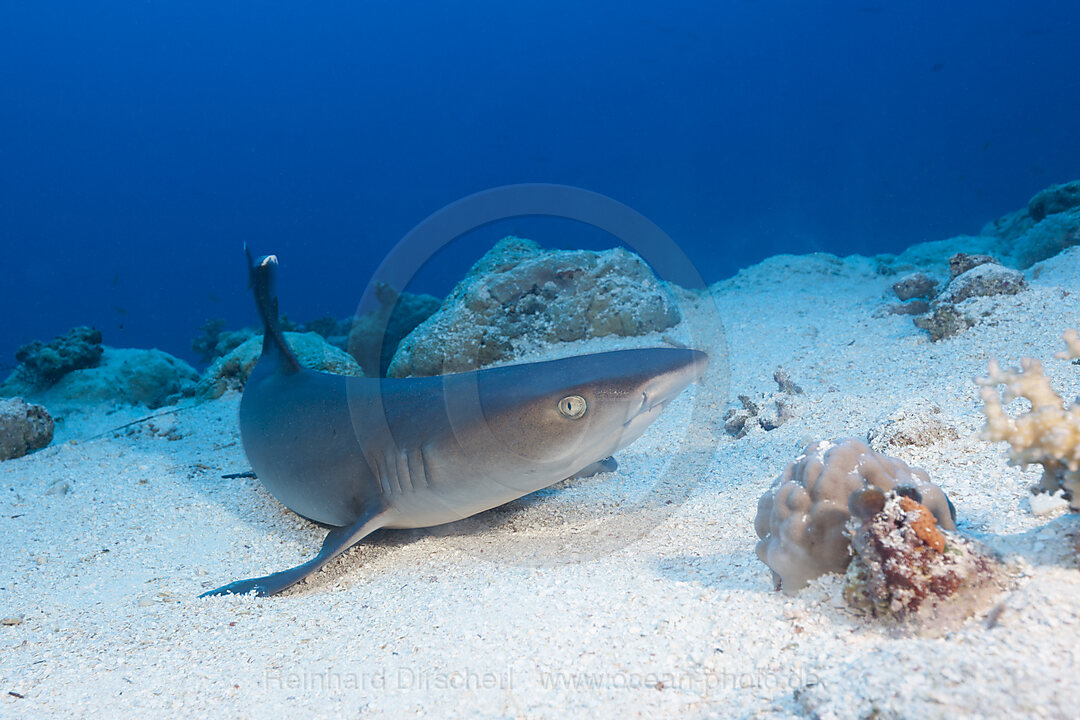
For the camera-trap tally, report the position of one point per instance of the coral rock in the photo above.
(903, 563)
(1054, 199)
(125, 375)
(1049, 224)
(23, 428)
(947, 316)
(375, 335)
(982, 281)
(215, 341)
(1048, 238)
(519, 296)
(960, 263)
(915, 285)
(801, 519)
(42, 364)
(232, 371)
(911, 307)
(1009, 227)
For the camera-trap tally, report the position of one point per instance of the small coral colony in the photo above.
(842, 507)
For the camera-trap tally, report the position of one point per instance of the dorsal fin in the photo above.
(261, 275)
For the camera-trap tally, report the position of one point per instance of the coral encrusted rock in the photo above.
(311, 349)
(43, 363)
(903, 563)
(1054, 199)
(801, 518)
(519, 296)
(375, 335)
(949, 315)
(23, 428)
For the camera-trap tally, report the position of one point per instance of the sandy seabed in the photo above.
(629, 594)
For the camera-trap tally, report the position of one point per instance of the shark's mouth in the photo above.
(633, 428)
(647, 412)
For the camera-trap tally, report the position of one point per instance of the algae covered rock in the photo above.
(519, 296)
(1047, 238)
(215, 341)
(43, 363)
(1054, 199)
(311, 349)
(125, 375)
(118, 375)
(904, 566)
(23, 428)
(375, 335)
(982, 278)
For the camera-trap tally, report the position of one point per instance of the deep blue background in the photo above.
(142, 142)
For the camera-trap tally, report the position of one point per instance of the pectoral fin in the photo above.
(608, 464)
(337, 541)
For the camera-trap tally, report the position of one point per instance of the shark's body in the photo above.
(367, 453)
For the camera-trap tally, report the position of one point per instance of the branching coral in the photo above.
(1048, 434)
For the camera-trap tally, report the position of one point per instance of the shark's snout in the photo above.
(674, 374)
(670, 381)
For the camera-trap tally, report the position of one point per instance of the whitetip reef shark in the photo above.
(360, 453)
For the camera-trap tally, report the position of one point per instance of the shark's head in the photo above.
(555, 418)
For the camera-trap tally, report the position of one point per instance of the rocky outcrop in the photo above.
(23, 428)
(519, 296)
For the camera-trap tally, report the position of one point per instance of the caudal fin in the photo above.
(261, 276)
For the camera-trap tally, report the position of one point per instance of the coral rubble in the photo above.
(23, 428)
(518, 295)
(916, 423)
(800, 520)
(768, 412)
(1048, 434)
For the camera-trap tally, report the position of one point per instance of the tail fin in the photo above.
(261, 277)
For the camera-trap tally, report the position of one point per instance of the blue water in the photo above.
(141, 143)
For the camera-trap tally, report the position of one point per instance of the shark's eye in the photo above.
(573, 406)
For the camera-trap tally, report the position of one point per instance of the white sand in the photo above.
(594, 599)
